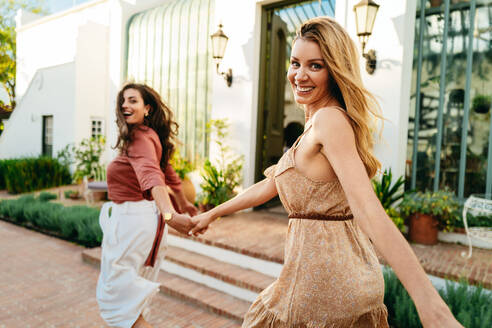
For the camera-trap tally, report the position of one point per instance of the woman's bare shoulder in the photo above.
(331, 121)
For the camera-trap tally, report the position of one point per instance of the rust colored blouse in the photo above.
(131, 177)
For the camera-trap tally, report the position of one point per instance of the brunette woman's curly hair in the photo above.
(160, 119)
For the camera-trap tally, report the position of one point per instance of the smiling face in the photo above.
(133, 107)
(308, 74)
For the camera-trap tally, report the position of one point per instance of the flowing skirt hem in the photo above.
(262, 317)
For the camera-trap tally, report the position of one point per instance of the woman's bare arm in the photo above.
(255, 195)
(334, 133)
(180, 222)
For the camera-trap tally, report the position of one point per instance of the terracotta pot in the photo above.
(74, 196)
(423, 229)
(435, 3)
(188, 190)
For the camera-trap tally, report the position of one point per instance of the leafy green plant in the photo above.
(397, 219)
(470, 305)
(45, 196)
(181, 165)
(387, 192)
(64, 155)
(481, 103)
(221, 180)
(28, 174)
(442, 205)
(87, 157)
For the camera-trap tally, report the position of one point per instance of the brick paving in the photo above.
(45, 283)
(261, 234)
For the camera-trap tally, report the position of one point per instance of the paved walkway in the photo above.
(44, 283)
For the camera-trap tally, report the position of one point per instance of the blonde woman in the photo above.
(331, 275)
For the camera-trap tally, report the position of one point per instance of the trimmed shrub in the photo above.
(2, 176)
(29, 174)
(45, 196)
(470, 305)
(79, 224)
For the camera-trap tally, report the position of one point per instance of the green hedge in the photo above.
(29, 174)
(470, 305)
(2, 175)
(79, 224)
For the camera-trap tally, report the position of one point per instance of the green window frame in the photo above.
(462, 27)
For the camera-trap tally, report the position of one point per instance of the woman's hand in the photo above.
(201, 223)
(181, 222)
(185, 206)
(188, 207)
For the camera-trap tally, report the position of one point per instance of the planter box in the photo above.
(460, 238)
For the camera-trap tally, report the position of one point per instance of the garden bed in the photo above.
(78, 224)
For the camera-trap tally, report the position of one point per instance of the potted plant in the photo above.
(183, 167)
(427, 212)
(72, 194)
(220, 180)
(481, 104)
(457, 96)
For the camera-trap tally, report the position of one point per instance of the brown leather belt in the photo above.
(150, 261)
(318, 216)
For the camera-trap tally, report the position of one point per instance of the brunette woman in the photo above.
(134, 224)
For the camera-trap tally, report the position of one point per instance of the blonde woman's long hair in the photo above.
(342, 60)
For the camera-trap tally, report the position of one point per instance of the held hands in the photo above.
(181, 222)
(192, 226)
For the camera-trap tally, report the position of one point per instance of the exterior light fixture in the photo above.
(365, 15)
(219, 43)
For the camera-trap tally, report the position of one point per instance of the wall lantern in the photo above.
(219, 43)
(365, 15)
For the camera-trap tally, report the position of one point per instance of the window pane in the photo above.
(481, 86)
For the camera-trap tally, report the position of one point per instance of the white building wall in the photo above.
(52, 40)
(91, 77)
(51, 92)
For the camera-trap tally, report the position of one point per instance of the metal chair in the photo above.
(477, 206)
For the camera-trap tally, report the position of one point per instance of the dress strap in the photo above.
(296, 143)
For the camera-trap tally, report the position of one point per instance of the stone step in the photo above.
(203, 296)
(198, 294)
(226, 272)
